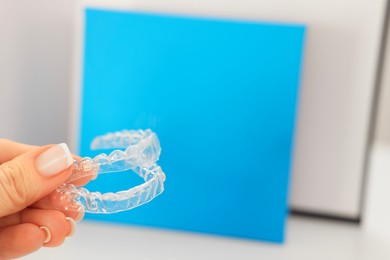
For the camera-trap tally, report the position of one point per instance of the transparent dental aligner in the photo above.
(141, 148)
(141, 151)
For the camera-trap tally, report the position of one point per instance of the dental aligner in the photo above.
(142, 150)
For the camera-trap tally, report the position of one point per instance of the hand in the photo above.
(28, 220)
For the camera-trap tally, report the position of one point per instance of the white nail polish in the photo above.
(54, 160)
(72, 226)
(80, 216)
(48, 234)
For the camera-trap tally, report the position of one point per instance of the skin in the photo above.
(20, 219)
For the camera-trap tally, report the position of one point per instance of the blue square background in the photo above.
(221, 95)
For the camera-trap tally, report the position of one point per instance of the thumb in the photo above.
(31, 176)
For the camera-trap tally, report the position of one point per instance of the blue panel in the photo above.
(221, 95)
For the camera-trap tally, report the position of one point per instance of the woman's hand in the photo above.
(28, 174)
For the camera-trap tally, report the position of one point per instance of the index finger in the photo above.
(10, 149)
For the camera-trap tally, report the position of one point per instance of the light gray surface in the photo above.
(377, 207)
(307, 239)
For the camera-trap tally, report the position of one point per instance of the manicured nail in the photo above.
(54, 160)
(80, 216)
(48, 234)
(94, 176)
(72, 224)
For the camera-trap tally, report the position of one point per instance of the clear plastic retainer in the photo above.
(140, 154)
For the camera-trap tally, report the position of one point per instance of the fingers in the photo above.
(32, 175)
(19, 240)
(10, 149)
(27, 231)
(58, 226)
(20, 217)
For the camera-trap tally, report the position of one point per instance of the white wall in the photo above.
(35, 59)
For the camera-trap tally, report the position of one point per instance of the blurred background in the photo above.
(339, 192)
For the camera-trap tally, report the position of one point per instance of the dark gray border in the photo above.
(325, 216)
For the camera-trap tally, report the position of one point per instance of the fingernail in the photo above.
(80, 216)
(72, 226)
(54, 160)
(94, 176)
(48, 234)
